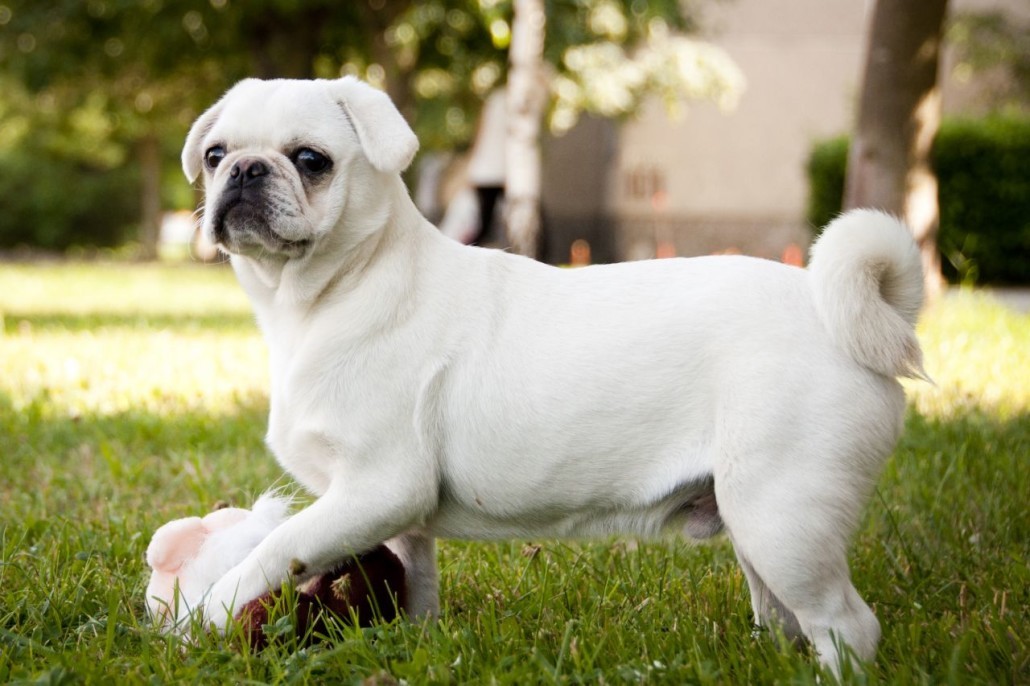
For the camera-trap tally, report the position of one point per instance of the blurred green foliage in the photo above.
(983, 173)
(993, 44)
(64, 179)
(83, 81)
(984, 177)
(826, 168)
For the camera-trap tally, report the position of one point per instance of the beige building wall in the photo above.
(730, 181)
(801, 59)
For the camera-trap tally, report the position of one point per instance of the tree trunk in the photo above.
(526, 101)
(149, 151)
(899, 113)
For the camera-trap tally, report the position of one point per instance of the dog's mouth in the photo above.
(241, 227)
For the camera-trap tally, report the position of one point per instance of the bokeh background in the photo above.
(664, 127)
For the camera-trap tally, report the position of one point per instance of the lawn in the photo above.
(132, 395)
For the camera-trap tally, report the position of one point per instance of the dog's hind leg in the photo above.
(791, 535)
(768, 609)
(417, 552)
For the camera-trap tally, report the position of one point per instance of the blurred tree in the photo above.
(899, 114)
(154, 65)
(526, 102)
(150, 65)
(604, 57)
(992, 48)
(63, 172)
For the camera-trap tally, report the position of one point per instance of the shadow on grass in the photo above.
(963, 476)
(81, 497)
(216, 321)
(942, 556)
(56, 465)
(955, 484)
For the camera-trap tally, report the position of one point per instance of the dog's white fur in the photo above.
(422, 388)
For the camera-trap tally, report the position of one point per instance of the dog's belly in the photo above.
(689, 507)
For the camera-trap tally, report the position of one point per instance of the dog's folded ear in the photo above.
(387, 140)
(192, 155)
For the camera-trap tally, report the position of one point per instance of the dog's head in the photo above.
(283, 161)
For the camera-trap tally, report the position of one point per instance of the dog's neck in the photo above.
(339, 263)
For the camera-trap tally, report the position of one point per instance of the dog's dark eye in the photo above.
(311, 161)
(213, 156)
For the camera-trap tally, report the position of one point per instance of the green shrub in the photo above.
(826, 167)
(65, 175)
(53, 202)
(983, 172)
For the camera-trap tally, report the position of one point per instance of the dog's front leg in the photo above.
(348, 519)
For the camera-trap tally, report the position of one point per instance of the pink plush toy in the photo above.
(188, 555)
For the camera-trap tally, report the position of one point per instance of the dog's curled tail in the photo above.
(868, 288)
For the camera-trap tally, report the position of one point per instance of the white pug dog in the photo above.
(422, 388)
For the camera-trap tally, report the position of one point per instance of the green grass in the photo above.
(132, 395)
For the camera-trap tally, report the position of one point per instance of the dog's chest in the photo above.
(328, 417)
(298, 454)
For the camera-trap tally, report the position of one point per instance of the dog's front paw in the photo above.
(224, 599)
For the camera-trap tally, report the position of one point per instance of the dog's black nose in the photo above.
(248, 170)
